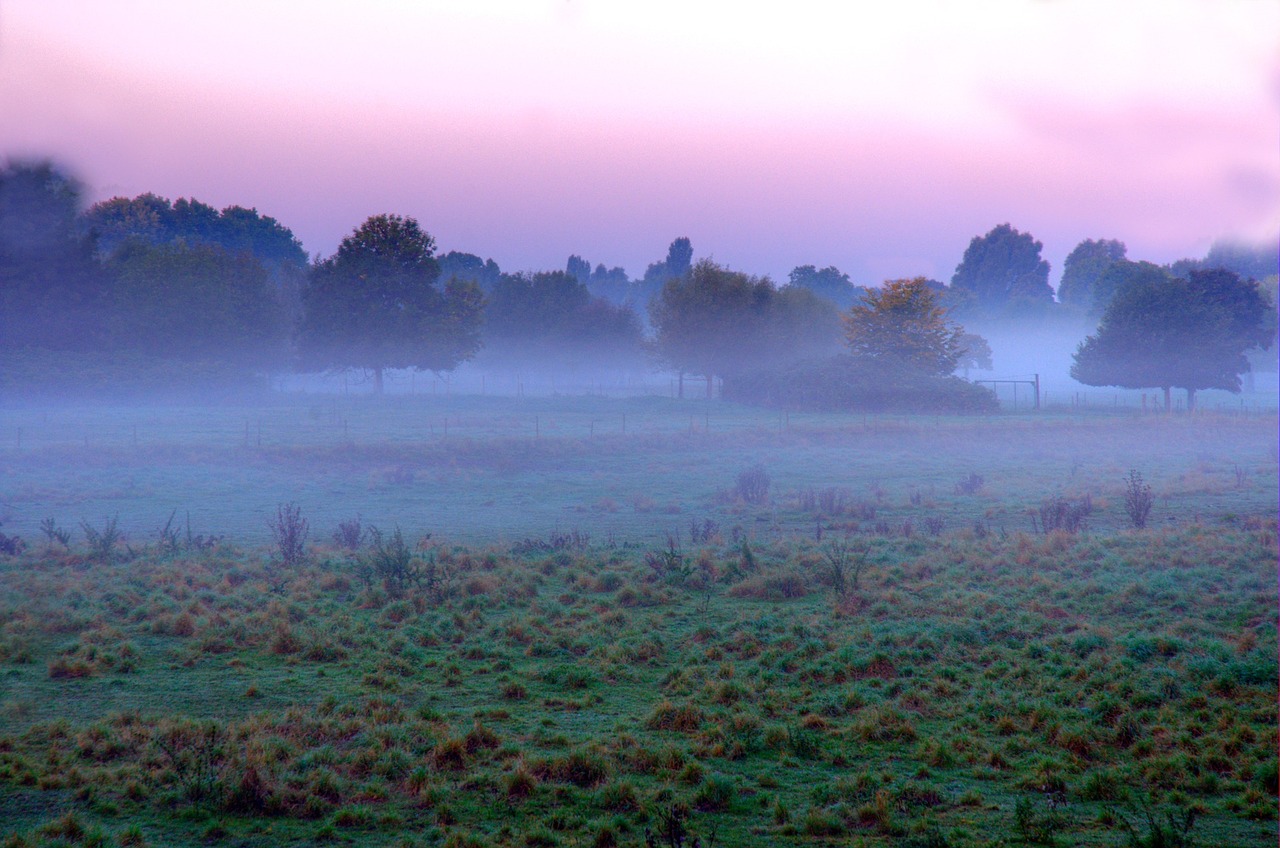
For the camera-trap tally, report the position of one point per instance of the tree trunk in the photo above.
(680, 392)
(377, 380)
(711, 381)
(1168, 400)
(1191, 400)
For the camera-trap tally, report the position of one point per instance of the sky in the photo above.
(877, 137)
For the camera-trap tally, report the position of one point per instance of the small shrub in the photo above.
(970, 485)
(289, 532)
(752, 486)
(102, 543)
(53, 533)
(715, 795)
(349, 535)
(1137, 499)
(11, 545)
(1064, 514)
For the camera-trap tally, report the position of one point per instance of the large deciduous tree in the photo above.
(720, 323)
(1001, 273)
(196, 303)
(1083, 268)
(1168, 332)
(551, 317)
(830, 283)
(375, 304)
(903, 322)
(53, 295)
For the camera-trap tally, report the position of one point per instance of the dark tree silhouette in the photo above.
(53, 294)
(1002, 273)
(1175, 333)
(375, 304)
(1083, 268)
(717, 323)
(830, 283)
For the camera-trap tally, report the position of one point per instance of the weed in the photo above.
(1063, 514)
(1143, 828)
(752, 486)
(102, 543)
(970, 485)
(844, 563)
(1137, 499)
(54, 533)
(289, 532)
(349, 535)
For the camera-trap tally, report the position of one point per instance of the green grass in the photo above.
(980, 684)
(533, 699)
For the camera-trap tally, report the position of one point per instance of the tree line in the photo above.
(182, 290)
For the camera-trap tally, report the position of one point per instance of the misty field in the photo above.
(594, 622)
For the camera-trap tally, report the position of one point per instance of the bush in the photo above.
(844, 383)
(752, 486)
(1137, 499)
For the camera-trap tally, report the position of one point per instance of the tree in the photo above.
(1120, 276)
(152, 220)
(1002, 271)
(469, 267)
(830, 283)
(551, 316)
(1177, 333)
(975, 352)
(53, 294)
(679, 263)
(1083, 268)
(902, 322)
(721, 323)
(196, 303)
(375, 304)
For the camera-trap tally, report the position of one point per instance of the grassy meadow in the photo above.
(598, 622)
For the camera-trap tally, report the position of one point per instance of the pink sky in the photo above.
(878, 138)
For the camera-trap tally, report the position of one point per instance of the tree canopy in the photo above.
(196, 303)
(155, 220)
(1168, 332)
(1083, 268)
(903, 322)
(551, 317)
(1002, 272)
(717, 322)
(375, 304)
(830, 283)
(52, 292)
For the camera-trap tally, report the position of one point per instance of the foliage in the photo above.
(374, 304)
(829, 283)
(469, 268)
(902, 322)
(391, 560)
(52, 292)
(196, 303)
(1003, 272)
(1123, 275)
(102, 543)
(1063, 514)
(1084, 266)
(550, 317)
(1170, 332)
(154, 220)
(1137, 499)
(289, 531)
(752, 485)
(718, 322)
